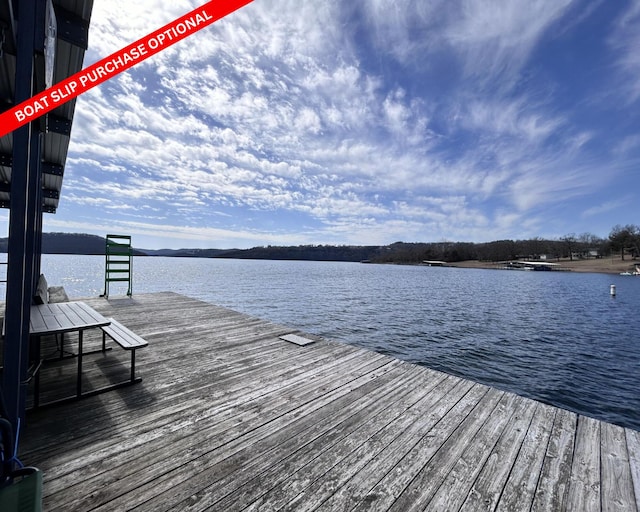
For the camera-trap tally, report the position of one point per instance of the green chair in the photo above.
(20, 489)
(22, 492)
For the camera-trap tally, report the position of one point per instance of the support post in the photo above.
(24, 221)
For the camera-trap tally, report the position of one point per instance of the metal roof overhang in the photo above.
(71, 42)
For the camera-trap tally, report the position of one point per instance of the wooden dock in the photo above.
(230, 417)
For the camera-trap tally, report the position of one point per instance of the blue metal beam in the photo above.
(22, 259)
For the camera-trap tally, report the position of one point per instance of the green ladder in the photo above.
(118, 255)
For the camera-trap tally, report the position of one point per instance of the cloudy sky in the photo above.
(361, 122)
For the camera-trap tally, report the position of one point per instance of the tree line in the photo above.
(623, 241)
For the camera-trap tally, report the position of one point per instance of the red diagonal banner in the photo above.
(116, 63)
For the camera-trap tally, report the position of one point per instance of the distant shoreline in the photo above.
(601, 265)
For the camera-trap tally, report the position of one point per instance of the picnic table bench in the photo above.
(127, 339)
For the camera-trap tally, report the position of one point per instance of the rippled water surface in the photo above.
(553, 336)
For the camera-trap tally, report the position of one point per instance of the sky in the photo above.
(364, 122)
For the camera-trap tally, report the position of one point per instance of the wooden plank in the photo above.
(360, 485)
(445, 430)
(258, 420)
(475, 435)
(335, 352)
(551, 491)
(238, 398)
(617, 484)
(491, 480)
(319, 478)
(179, 396)
(584, 483)
(519, 491)
(244, 474)
(69, 434)
(217, 446)
(633, 447)
(454, 469)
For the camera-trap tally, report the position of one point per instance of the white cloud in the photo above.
(495, 39)
(627, 145)
(608, 206)
(625, 39)
(512, 118)
(289, 110)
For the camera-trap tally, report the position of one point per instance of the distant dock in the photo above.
(435, 263)
(229, 417)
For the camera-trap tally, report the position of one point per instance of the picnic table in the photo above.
(60, 318)
(64, 317)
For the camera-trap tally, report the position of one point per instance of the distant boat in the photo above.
(636, 272)
(434, 263)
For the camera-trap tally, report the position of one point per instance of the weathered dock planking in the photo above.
(230, 417)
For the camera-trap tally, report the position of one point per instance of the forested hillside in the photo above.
(623, 242)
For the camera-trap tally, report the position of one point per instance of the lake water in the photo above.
(558, 337)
